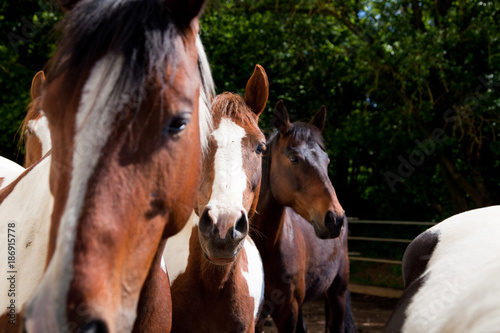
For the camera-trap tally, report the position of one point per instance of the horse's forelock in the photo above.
(141, 32)
(300, 131)
(232, 106)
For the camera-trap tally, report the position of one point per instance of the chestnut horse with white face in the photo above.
(121, 100)
(301, 228)
(36, 136)
(221, 288)
(35, 128)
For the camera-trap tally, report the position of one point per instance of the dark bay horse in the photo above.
(220, 287)
(450, 272)
(121, 99)
(301, 228)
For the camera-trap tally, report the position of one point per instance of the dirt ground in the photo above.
(370, 314)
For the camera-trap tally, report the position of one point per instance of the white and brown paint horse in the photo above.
(36, 136)
(450, 273)
(9, 171)
(35, 128)
(121, 99)
(477, 309)
(220, 286)
(301, 228)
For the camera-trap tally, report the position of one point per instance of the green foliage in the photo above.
(390, 73)
(26, 28)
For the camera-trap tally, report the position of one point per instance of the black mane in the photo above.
(139, 31)
(300, 132)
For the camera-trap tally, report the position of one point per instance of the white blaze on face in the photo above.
(93, 125)
(40, 127)
(255, 275)
(230, 179)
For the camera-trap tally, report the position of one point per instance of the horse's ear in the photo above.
(37, 84)
(280, 117)
(257, 90)
(67, 5)
(319, 119)
(186, 10)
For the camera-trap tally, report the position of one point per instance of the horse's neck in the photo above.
(269, 218)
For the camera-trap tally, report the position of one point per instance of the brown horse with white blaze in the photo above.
(301, 228)
(121, 100)
(35, 136)
(35, 127)
(220, 287)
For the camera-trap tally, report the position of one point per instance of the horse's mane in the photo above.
(207, 92)
(138, 32)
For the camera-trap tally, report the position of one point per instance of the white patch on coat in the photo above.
(9, 170)
(255, 275)
(93, 125)
(176, 251)
(467, 242)
(27, 209)
(477, 310)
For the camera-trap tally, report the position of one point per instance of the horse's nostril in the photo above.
(334, 223)
(330, 219)
(206, 224)
(339, 220)
(240, 229)
(96, 326)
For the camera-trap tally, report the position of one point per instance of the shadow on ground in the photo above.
(370, 314)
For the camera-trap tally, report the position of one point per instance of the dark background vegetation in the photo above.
(391, 73)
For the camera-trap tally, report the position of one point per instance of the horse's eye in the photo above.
(176, 125)
(260, 148)
(293, 158)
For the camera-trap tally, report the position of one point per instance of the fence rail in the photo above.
(355, 256)
(355, 220)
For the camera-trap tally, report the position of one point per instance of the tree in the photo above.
(411, 88)
(26, 27)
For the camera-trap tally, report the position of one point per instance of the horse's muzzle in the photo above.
(221, 235)
(333, 225)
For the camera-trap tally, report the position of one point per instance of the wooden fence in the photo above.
(357, 256)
